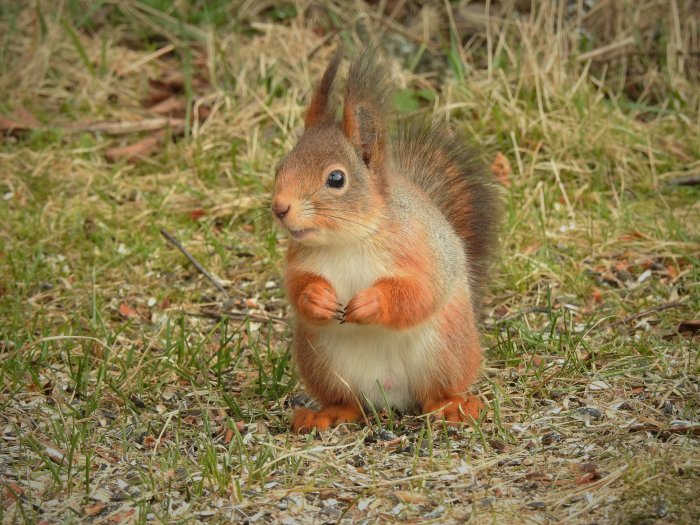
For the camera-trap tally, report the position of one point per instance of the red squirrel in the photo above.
(390, 238)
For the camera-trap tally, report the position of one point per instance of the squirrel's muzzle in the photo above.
(280, 208)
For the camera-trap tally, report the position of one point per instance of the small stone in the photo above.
(386, 435)
(624, 275)
(644, 276)
(101, 495)
(550, 438)
(661, 509)
(486, 502)
(435, 513)
(599, 385)
(590, 412)
(364, 503)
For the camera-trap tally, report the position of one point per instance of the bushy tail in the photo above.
(454, 177)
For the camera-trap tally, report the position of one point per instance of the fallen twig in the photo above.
(194, 261)
(688, 180)
(240, 316)
(177, 125)
(660, 308)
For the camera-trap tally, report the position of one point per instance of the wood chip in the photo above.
(94, 509)
(127, 311)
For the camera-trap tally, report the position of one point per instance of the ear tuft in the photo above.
(318, 112)
(366, 105)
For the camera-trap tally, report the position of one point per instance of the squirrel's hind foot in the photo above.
(454, 409)
(305, 420)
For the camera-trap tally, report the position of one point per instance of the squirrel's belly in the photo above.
(381, 366)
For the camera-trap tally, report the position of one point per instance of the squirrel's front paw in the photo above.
(367, 307)
(319, 302)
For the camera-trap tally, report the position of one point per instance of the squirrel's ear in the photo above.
(318, 112)
(364, 129)
(367, 98)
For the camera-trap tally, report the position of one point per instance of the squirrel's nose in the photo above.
(280, 208)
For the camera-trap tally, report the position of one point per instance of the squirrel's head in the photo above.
(330, 188)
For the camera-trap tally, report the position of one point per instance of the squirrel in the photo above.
(390, 238)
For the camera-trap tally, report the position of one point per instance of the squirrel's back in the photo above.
(452, 174)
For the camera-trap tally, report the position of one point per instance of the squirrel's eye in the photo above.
(336, 179)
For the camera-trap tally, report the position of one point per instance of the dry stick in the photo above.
(660, 308)
(212, 314)
(127, 127)
(689, 180)
(196, 264)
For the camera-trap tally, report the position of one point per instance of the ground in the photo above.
(132, 389)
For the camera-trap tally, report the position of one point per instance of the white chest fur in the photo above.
(381, 366)
(348, 269)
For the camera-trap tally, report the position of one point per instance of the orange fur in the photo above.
(312, 295)
(401, 301)
(454, 409)
(392, 302)
(459, 357)
(305, 420)
(319, 379)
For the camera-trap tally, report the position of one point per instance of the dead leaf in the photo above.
(676, 149)
(27, 117)
(531, 248)
(197, 213)
(127, 311)
(538, 475)
(173, 106)
(175, 80)
(13, 491)
(588, 477)
(597, 295)
(121, 516)
(405, 496)
(10, 125)
(20, 120)
(501, 168)
(54, 454)
(137, 150)
(590, 473)
(94, 509)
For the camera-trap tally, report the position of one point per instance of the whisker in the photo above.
(307, 197)
(336, 217)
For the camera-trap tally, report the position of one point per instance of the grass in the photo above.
(128, 393)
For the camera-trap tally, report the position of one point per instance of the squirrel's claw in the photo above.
(340, 313)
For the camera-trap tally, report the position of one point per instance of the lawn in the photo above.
(134, 389)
